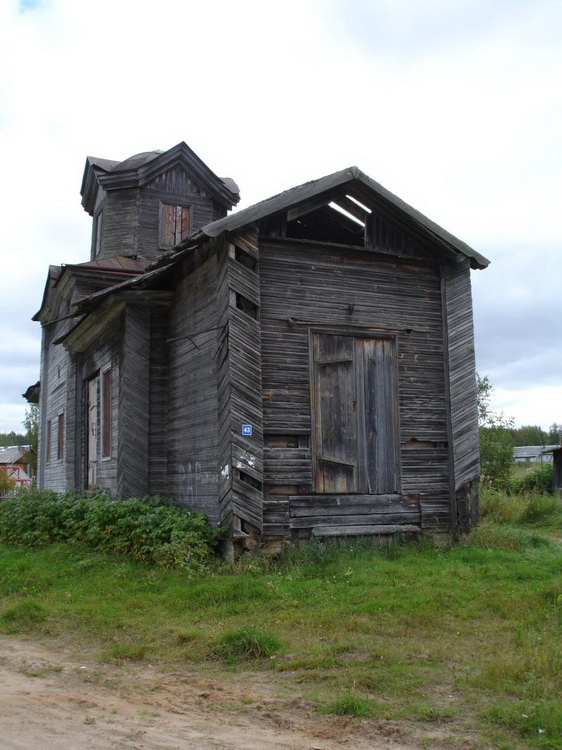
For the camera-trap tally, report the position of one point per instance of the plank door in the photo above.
(355, 415)
(92, 433)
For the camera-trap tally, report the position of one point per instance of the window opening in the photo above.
(106, 413)
(49, 438)
(246, 305)
(174, 224)
(60, 437)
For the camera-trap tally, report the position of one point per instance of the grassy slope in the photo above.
(466, 636)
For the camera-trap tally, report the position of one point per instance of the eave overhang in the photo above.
(94, 318)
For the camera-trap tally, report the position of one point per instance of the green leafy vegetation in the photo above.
(535, 435)
(150, 530)
(6, 484)
(467, 638)
(536, 480)
(496, 441)
(12, 438)
(353, 629)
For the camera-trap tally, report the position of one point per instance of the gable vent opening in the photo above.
(350, 216)
(246, 305)
(245, 259)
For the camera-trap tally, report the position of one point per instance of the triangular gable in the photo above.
(353, 192)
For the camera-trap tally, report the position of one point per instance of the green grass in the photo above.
(467, 636)
(246, 644)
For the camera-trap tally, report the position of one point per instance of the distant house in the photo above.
(533, 453)
(14, 464)
(302, 367)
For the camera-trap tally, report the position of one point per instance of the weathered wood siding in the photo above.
(131, 217)
(191, 440)
(305, 287)
(461, 372)
(105, 354)
(158, 402)
(240, 401)
(120, 223)
(57, 398)
(134, 410)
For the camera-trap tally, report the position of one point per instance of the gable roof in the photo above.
(340, 184)
(333, 184)
(140, 169)
(13, 454)
(532, 451)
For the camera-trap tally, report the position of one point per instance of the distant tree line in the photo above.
(12, 438)
(534, 435)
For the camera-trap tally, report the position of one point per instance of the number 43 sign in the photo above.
(247, 430)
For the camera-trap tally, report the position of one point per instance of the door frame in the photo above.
(355, 333)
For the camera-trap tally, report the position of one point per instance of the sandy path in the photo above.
(49, 700)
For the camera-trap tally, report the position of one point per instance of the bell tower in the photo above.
(145, 205)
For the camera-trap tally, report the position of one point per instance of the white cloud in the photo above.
(533, 405)
(454, 107)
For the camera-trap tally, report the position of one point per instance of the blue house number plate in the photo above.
(247, 429)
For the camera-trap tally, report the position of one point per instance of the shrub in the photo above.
(536, 480)
(150, 530)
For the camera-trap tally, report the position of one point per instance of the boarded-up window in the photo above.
(174, 224)
(355, 413)
(92, 432)
(106, 413)
(60, 437)
(49, 439)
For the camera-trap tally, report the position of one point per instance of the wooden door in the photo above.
(92, 433)
(335, 414)
(355, 415)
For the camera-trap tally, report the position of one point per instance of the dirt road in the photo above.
(51, 699)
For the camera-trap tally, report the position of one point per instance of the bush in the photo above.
(150, 530)
(536, 480)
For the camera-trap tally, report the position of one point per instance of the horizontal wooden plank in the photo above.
(328, 531)
(355, 510)
(310, 522)
(342, 501)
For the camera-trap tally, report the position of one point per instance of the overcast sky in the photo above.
(453, 105)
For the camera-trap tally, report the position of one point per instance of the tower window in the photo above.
(174, 224)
